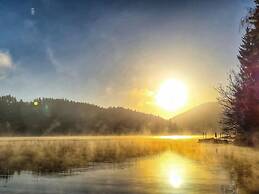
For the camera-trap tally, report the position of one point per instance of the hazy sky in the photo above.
(117, 53)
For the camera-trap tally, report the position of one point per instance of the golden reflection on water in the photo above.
(173, 170)
(175, 177)
(178, 137)
(181, 175)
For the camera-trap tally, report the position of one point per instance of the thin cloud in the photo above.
(61, 67)
(53, 60)
(6, 64)
(5, 60)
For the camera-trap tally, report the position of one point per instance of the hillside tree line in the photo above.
(46, 116)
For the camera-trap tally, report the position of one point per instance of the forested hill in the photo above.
(202, 118)
(47, 116)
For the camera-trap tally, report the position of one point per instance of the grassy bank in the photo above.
(58, 155)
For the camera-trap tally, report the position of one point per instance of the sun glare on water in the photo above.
(175, 178)
(177, 137)
(171, 95)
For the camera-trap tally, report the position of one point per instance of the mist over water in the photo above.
(167, 173)
(120, 164)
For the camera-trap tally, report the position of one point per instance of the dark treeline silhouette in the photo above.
(45, 116)
(240, 98)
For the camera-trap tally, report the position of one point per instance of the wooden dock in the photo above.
(214, 140)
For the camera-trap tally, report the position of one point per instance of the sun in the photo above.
(171, 95)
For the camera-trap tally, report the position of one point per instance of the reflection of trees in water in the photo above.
(6, 175)
(241, 163)
(232, 188)
(241, 174)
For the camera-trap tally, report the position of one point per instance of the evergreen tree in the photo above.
(46, 116)
(241, 97)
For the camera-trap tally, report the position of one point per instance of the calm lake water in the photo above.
(165, 173)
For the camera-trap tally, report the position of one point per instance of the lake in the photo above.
(164, 172)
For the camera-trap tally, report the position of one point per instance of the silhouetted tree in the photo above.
(240, 98)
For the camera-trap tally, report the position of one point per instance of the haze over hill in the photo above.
(204, 117)
(45, 116)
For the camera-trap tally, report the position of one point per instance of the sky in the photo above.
(118, 52)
